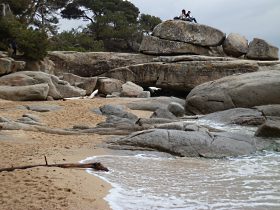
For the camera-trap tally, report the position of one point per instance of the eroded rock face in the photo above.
(37, 92)
(235, 45)
(58, 89)
(86, 83)
(109, 85)
(246, 90)
(260, 50)
(193, 33)
(191, 143)
(91, 64)
(183, 76)
(156, 46)
(9, 65)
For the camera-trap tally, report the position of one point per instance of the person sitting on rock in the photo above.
(190, 18)
(183, 16)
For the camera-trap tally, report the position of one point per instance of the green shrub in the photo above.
(32, 43)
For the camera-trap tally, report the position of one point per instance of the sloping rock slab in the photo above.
(191, 144)
(246, 90)
(183, 76)
(152, 104)
(43, 108)
(89, 64)
(184, 31)
(156, 46)
(270, 110)
(57, 88)
(37, 92)
(240, 116)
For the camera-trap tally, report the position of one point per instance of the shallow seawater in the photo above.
(159, 181)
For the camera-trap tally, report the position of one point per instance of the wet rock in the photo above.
(269, 110)
(239, 116)
(271, 128)
(260, 50)
(191, 144)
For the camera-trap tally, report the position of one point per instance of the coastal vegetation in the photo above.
(112, 26)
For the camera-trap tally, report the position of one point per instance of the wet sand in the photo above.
(53, 188)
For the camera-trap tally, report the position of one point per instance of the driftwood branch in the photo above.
(96, 166)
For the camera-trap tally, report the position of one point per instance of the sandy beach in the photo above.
(52, 188)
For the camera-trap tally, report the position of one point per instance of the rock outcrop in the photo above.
(259, 49)
(155, 46)
(191, 143)
(90, 64)
(188, 32)
(9, 65)
(246, 90)
(182, 76)
(36, 92)
(235, 45)
(57, 88)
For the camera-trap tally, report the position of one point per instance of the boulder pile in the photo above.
(175, 37)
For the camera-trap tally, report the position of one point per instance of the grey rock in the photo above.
(108, 86)
(144, 94)
(43, 108)
(86, 83)
(259, 49)
(118, 111)
(156, 46)
(193, 33)
(152, 104)
(235, 45)
(246, 90)
(32, 117)
(271, 128)
(58, 89)
(9, 65)
(130, 89)
(37, 92)
(163, 113)
(240, 116)
(177, 109)
(181, 76)
(90, 64)
(191, 144)
(269, 110)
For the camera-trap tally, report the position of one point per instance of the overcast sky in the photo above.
(251, 18)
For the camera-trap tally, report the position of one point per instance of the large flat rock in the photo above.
(156, 46)
(182, 76)
(89, 64)
(191, 143)
(193, 33)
